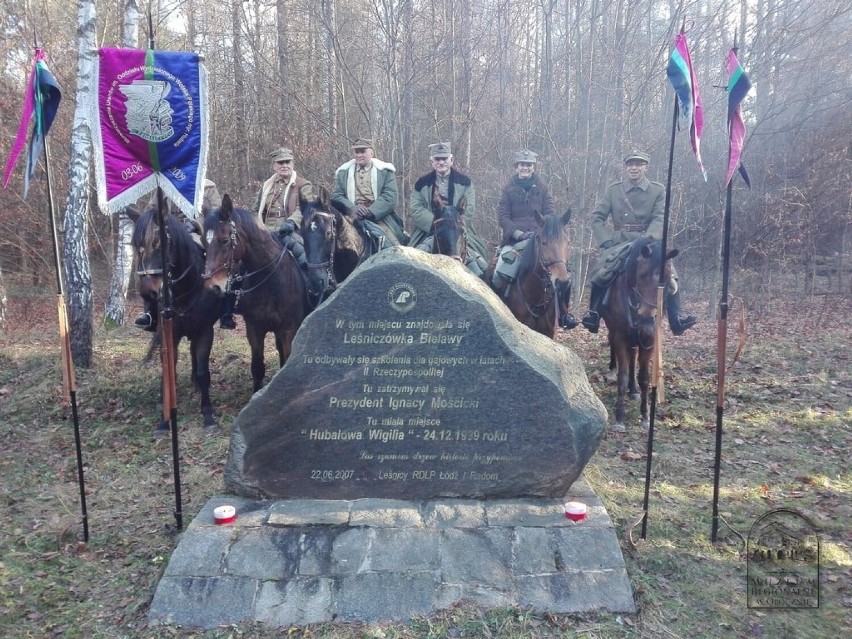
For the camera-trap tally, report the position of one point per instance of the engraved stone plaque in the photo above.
(414, 381)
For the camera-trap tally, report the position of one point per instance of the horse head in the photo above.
(146, 242)
(551, 247)
(319, 232)
(643, 276)
(223, 248)
(448, 227)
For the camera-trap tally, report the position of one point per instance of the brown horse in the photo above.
(541, 293)
(334, 246)
(272, 294)
(629, 313)
(195, 309)
(449, 235)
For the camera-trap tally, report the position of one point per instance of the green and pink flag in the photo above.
(150, 127)
(738, 86)
(681, 74)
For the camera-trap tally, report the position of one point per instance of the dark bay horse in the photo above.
(629, 314)
(272, 297)
(196, 310)
(541, 292)
(334, 247)
(449, 234)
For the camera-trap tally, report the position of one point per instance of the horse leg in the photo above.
(622, 353)
(631, 382)
(200, 348)
(258, 366)
(644, 382)
(284, 345)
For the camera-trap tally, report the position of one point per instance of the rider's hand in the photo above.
(607, 244)
(287, 228)
(363, 212)
(527, 235)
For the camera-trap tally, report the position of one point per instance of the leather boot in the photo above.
(677, 324)
(592, 318)
(147, 319)
(227, 321)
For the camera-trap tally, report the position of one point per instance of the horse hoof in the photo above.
(162, 429)
(210, 426)
(634, 396)
(619, 428)
(646, 425)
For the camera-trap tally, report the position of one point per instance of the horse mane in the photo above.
(247, 221)
(146, 234)
(551, 230)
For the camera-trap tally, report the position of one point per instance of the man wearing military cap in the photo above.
(454, 187)
(277, 202)
(365, 188)
(525, 196)
(635, 209)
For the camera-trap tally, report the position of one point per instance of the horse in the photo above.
(196, 310)
(629, 314)
(541, 293)
(272, 297)
(334, 246)
(449, 235)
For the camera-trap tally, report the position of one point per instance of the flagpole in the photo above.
(658, 333)
(722, 341)
(167, 346)
(69, 381)
(721, 348)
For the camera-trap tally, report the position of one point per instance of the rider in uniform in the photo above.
(635, 209)
(522, 198)
(453, 187)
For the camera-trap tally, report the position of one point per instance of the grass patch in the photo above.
(787, 442)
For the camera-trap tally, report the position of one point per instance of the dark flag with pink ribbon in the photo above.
(41, 102)
(150, 127)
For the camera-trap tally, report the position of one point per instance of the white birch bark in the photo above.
(78, 272)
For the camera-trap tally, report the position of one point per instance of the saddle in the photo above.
(373, 235)
(610, 263)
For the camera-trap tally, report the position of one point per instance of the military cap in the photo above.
(440, 150)
(282, 155)
(362, 143)
(637, 155)
(525, 156)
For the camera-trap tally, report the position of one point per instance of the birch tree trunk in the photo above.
(123, 263)
(78, 273)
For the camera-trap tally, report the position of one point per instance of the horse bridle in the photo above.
(234, 268)
(154, 272)
(544, 278)
(635, 302)
(329, 263)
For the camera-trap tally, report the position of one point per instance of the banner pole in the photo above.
(69, 382)
(657, 357)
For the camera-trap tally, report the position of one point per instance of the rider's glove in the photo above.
(287, 228)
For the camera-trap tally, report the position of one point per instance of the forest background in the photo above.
(580, 83)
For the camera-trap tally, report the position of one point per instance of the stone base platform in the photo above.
(308, 561)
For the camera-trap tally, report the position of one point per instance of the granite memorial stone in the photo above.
(414, 381)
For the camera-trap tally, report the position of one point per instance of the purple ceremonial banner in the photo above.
(150, 127)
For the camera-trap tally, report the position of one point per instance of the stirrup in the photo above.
(592, 321)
